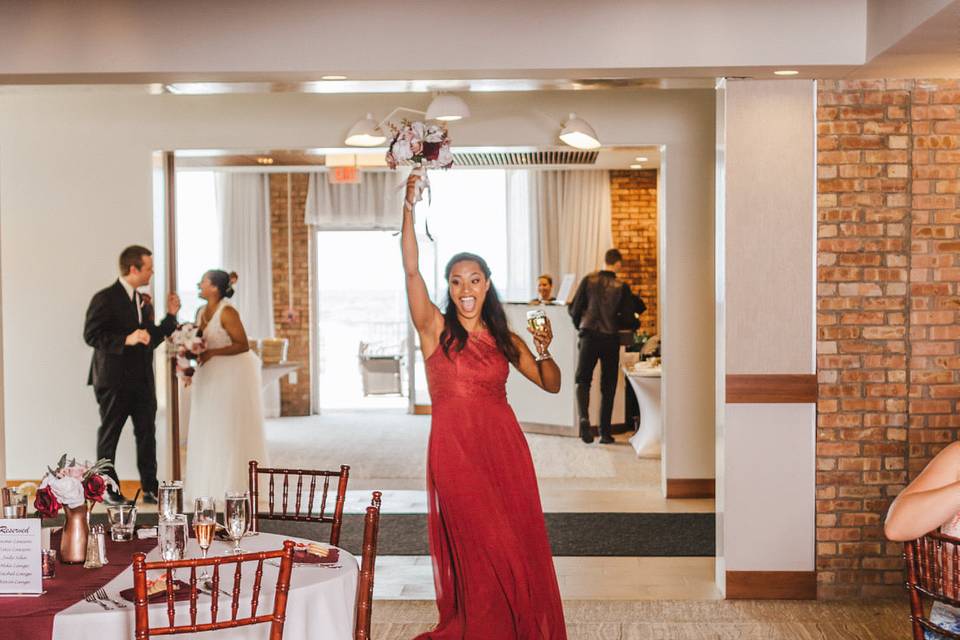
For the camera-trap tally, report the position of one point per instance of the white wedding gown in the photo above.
(226, 420)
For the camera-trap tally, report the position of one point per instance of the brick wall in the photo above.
(633, 197)
(294, 398)
(888, 268)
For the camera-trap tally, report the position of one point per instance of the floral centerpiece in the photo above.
(71, 485)
(188, 343)
(427, 146)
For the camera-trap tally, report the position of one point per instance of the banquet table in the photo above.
(320, 603)
(646, 385)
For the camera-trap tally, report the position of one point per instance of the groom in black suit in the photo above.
(120, 328)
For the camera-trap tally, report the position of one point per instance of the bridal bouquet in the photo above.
(188, 342)
(427, 146)
(71, 484)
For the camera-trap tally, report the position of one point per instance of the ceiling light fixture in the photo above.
(369, 133)
(642, 158)
(786, 72)
(578, 134)
(333, 77)
(365, 133)
(447, 107)
(636, 166)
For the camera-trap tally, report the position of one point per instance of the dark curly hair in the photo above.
(454, 336)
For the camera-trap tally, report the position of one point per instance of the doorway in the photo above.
(361, 348)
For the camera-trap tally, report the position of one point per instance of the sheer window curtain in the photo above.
(373, 204)
(523, 238)
(243, 208)
(571, 210)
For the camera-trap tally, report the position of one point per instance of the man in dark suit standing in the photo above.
(120, 328)
(602, 308)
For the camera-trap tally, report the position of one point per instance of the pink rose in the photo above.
(75, 471)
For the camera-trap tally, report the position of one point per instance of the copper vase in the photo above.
(73, 543)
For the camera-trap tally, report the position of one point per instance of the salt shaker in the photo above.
(93, 559)
(101, 533)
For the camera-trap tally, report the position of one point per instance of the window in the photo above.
(199, 241)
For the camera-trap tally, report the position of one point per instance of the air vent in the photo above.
(523, 158)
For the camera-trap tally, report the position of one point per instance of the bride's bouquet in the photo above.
(426, 146)
(188, 344)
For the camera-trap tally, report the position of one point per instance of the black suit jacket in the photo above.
(111, 317)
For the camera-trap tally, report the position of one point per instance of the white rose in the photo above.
(445, 158)
(401, 150)
(69, 491)
(434, 134)
(419, 130)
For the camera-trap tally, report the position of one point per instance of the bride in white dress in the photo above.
(226, 412)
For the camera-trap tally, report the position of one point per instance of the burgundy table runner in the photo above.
(31, 617)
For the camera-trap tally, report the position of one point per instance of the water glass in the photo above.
(123, 518)
(172, 537)
(169, 498)
(236, 516)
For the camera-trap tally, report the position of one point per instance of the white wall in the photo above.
(766, 454)
(76, 186)
(372, 38)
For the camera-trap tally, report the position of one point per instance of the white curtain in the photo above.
(243, 209)
(572, 211)
(523, 239)
(375, 203)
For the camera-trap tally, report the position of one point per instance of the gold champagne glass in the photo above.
(204, 526)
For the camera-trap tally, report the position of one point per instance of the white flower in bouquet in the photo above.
(68, 490)
(401, 151)
(445, 157)
(435, 133)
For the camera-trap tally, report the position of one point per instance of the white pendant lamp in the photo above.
(447, 107)
(365, 133)
(578, 134)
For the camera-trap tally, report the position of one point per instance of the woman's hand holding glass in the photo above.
(542, 337)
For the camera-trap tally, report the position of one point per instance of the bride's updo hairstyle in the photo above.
(221, 280)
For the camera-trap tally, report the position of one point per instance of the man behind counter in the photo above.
(544, 290)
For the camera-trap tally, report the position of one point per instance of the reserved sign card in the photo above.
(20, 556)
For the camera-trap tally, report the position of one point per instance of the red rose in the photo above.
(46, 503)
(431, 150)
(94, 487)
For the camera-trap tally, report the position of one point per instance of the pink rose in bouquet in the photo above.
(188, 342)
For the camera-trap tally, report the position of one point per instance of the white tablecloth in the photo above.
(320, 605)
(646, 386)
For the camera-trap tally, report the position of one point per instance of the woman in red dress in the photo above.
(492, 565)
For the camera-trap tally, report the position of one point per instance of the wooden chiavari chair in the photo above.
(933, 573)
(275, 618)
(301, 512)
(368, 561)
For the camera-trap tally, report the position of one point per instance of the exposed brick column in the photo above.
(935, 271)
(294, 398)
(863, 261)
(633, 197)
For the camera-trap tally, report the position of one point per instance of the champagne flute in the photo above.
(236, 516)
(204, 526)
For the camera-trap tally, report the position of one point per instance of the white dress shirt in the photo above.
(138, 300)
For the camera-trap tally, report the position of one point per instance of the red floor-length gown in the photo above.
(492, 565)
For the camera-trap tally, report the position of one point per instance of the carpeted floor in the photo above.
(571, 534)
(689, 620)
(393, 445)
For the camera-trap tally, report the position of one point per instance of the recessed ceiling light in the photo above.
(641, 158)
(333, 77)
(636, 166)
(786, 72)
(264, 160)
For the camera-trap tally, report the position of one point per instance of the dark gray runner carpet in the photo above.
(571, 534)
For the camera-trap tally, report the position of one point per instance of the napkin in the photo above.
(304, 557)
(181, 592)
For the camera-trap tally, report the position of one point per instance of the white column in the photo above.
(766, 294)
